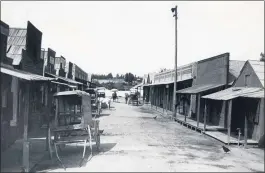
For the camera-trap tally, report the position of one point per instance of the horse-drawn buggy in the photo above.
(133, 98)
(73, 122)
(95, 103)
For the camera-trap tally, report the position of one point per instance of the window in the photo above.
(247, 79)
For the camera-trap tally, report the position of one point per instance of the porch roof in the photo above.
(24, 75)
(199, 88)
(71, 86)
(235, 92)
(64, 79)
(67, 93)
(165, 83)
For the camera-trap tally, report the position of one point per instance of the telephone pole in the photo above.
(175, 11)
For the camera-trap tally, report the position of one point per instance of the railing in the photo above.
(184, 72)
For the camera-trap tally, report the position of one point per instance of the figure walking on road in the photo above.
(126, 98)
(114, 96)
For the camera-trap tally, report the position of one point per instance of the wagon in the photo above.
(95, 104)
(73, 122)
(133, 98)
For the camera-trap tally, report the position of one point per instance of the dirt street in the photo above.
(134, 141)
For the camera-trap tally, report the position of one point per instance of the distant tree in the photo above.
(130, 77)
(126, 77)
(117, 76)
(109, 76)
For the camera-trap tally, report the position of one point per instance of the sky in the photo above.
(139, 37)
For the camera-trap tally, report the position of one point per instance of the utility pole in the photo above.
(175, 11)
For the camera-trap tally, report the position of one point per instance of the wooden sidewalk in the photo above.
(217, 132)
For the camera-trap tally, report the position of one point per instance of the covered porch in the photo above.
(198, 107)
(28, 118)
(244, 116)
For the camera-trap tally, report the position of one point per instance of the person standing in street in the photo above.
(126, 98)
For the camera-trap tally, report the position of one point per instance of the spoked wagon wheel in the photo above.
(90, 144)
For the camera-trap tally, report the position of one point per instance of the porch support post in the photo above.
(164, 94)
(246, 131)
(152, 96)
(167, 108)
(49, 102)
(185, 113)
(156, 98)
(25, 134)
(229, 120)
(198, 109)
(205, 115)
(56, 111)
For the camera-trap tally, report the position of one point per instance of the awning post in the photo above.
(229, 120)
(205, 116)
(167, 93)
(198, 109)
(246, 131)
(164, 95)
(25, 134)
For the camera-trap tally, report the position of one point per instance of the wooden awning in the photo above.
(235, 92)
(24, 75)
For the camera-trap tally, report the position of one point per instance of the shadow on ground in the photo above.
(145, 110)
(71, 157)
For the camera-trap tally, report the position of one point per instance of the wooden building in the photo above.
(59, 72)
(160, 91)
(22, 106)
(210, 75)
(195, 80)
(49, 58)
(24, 50)
(246, 102)
(60, 63)
(80, 76)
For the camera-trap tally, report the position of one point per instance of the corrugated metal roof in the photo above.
(258, 67)
(66, 93)
(235, 92)
(199, 88)
(24, 75)
(71, 86)
(16, 41)
(258, 94)
(65, 79)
